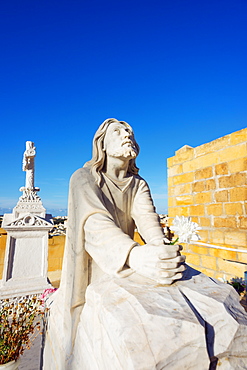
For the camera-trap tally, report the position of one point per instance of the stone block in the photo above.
(170, 162)
(175, 170)
(204, 235)
(204, 173)
(212, 146)
(221, 169)
(243, 223)
(204, 221)
(174, 211)
(171, 190)
(242, 257)
(214, 209)
(184, 149)
(221, 196)
(205, 161)
(2, 254)
(170, 181)
(190, 165)
(234, 180)
(197, 210)
(184, 200)
(237, 238)
(182, 179)
(54, 264)
(55, 251)
(238, 194)
(192, 258)
(202, 198)
(217, 237)
(226, 181)
(182, 189)
(238, 137)
(199, 249)
(185, 211)
(233, 209)
(209, 160)
(224, 254)
(238, 165)
(233, 152)
(182, 156)
(198, 186)
(210, 184)
(171, 201)
(240, 179)
(229, 222)
(208, 262)
(231, 268)
(195, 219)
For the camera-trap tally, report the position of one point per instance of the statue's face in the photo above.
(119, 141)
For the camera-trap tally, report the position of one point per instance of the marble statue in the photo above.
(125, 306)
(29, 201)
(28, 164)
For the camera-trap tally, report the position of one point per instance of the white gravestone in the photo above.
(26, 254)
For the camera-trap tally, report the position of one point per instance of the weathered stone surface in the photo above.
(133, 323)
(161, 327)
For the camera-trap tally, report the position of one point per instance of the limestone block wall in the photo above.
(55, 257)
(209, 183)
(3, 238)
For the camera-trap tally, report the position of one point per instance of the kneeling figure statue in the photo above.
(126, 306)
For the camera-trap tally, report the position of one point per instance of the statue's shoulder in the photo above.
(140, 183)
(82, 175)
(139, 179)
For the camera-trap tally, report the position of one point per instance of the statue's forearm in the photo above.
(107, 244)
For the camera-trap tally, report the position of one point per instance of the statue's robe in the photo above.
(130, 322)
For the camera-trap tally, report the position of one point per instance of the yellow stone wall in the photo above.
(209, 183)
(3, 237)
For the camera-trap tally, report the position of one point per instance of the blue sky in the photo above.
(175, 70)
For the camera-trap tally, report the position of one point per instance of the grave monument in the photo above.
(121, 305)
(26, 254)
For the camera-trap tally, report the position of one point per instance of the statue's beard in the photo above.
(129, 153)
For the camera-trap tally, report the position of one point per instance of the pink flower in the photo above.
(46, 293)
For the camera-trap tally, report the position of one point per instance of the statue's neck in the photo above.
(116, 168)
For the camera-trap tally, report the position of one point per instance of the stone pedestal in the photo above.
(26, 254)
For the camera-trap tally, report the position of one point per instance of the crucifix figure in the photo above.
(28, 164)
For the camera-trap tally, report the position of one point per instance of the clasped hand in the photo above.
(162, 263)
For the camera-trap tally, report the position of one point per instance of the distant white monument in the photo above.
(25, 264)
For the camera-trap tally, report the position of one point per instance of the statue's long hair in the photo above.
(98, 159)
